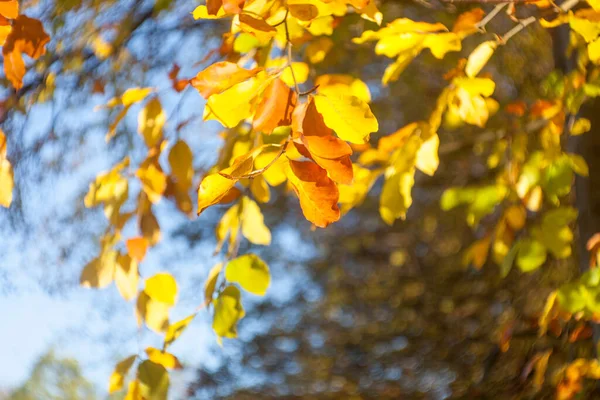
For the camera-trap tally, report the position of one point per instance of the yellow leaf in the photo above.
(320, 26)
(221, 76)
(250, 272)
(479, 57)
(260, 189)
(154, 181)
(371, 13)
(350, 117)
(130, 97)
(427, 156)
(337, 84)
(211, 283)
(126, 276)
(109, 187)
(165, 359)
(317, 50)
(253, 224)
(153, 381)
(100, 272)
(175, 330)
(6, 183)
(154, 313)
(234, 104)
(353, 195)
(133, 391)
(228, 311)
(396, 195)
(201, 12)
(151, 121)
(300, 72)
(162, 287)
(229, 225)
(581, 126)
(212, 189)
(181, 162)
(117, 379)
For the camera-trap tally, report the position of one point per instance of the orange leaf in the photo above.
(317, 193)
(329, 147)
(27, 36)
(340, 169)
(275, 108)
(213, 6)
(466, 23)
(308, 121)
(136, 248)
(9, 8)
(232, 6)
(220, 76)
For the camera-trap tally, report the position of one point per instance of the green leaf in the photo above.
(228, 311)
(531, 254)
(154, 381)
(250, 272)
(508, 261)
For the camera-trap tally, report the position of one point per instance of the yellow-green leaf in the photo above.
(153, 381)
(250, 272)
(228, 311)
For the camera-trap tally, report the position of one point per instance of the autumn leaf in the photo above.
(181, 162)
(151, 121)
(126, 276)
(175, 330)
(162, 287)
(117, 379)
(228, 311)
(221, 76)
(137, 247)
(153, 381)
(250, 272)
(318, 194)
(275, 107)
(6, 175)
(350, 117)
(154, 314)
(9, 9)
(27, 36)
(163, 358)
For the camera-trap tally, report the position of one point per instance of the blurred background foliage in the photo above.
(372, 312)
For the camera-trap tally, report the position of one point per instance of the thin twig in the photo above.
(481, 25)
(289, 52)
